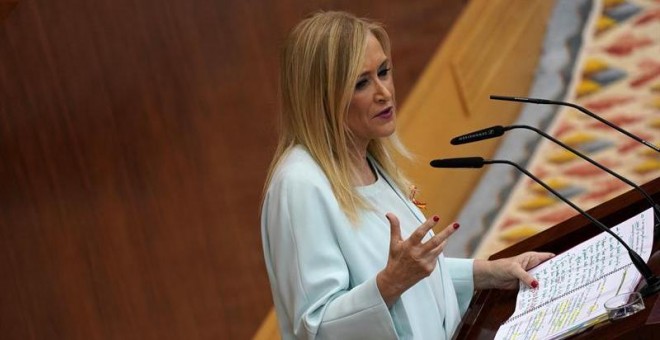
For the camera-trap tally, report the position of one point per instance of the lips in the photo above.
(386, 114)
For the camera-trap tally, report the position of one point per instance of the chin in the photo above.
(390, 128)
(387, 132)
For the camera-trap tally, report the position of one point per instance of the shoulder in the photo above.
(299, 191)
(298, 167)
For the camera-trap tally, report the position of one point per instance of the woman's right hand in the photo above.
(410, 260)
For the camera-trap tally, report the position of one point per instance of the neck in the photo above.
(364, 174)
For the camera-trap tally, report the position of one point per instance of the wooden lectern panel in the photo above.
(490, 308)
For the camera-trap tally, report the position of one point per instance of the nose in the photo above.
(383, 94)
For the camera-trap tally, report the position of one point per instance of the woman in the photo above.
(349, 256)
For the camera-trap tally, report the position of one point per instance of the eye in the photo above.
(362, 83)
(384, 72)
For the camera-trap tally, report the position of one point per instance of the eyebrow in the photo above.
(379, 67)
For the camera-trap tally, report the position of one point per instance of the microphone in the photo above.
(465, 162)
(584, 110)
(498, 130)
(652, 282)
(487, 133)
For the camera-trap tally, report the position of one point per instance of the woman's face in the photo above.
(371, 113)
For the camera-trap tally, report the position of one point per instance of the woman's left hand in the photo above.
(505, 273)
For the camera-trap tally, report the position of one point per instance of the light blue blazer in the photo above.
(322, 269)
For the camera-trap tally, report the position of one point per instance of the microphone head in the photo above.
(522, 99)
(462, 162)
(491, 132)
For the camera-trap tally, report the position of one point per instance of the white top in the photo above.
(323, 270)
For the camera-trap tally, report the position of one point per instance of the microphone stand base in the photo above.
(652, 287)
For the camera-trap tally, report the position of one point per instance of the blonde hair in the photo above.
(320, 64)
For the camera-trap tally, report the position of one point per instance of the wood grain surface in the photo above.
(134, 141)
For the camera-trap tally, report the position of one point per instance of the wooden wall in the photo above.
(494, 48)
(134, 140)
(6, 6)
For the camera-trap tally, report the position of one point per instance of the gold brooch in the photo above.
(413, 193)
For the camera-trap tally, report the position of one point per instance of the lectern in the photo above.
(490, 308)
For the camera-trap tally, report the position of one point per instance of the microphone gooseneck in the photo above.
(652, 282)
(499, 130)
(582, 109)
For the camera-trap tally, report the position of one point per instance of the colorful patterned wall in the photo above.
(617, 76)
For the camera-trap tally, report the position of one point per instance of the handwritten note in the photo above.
(574, 285)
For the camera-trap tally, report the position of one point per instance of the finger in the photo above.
(525, 277)
(542, 257)
(395, 228)
(440, 237)
(422, 230)
(537, 258)
(445, 233)
(435, 252)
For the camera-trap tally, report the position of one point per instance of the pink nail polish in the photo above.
(436, 218)
(535, 284)
(456, 225)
